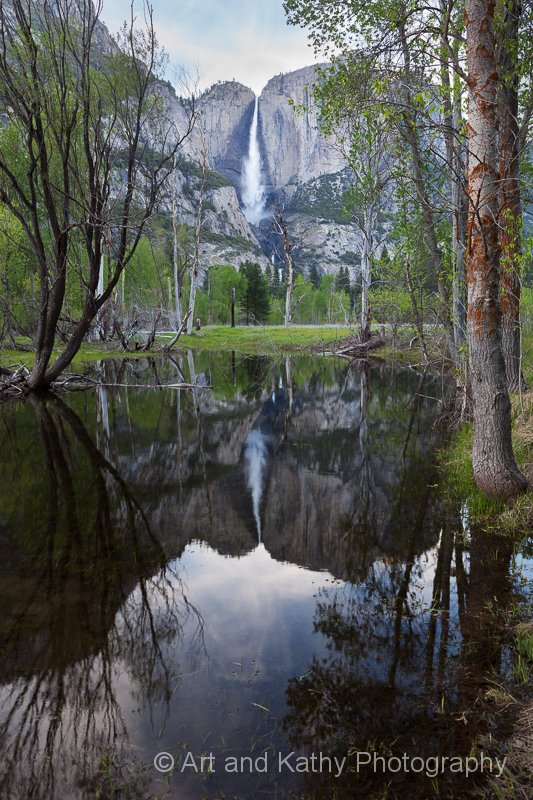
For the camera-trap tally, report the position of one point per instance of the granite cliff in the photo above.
(300, 171)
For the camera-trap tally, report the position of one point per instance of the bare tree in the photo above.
(175, 264)
(281, 227)
(195, 265)
(86, 148)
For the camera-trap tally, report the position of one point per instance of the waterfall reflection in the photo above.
(87, 598)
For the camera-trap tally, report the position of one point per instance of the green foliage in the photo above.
(220, 280)
(191, 169)
(256, 298)
(526, 305)
(342, 281)
(17, 280)
(314, 276)
(391, 306)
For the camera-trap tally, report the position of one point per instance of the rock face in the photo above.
(227, 237)
(301, 173)
(223, 124)
(293, 150)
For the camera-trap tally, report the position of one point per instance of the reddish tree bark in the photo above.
(495, 469)
(510, 218)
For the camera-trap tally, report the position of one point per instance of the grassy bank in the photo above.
(456, 462)
(244, 339)
(87, 354)
(264, 340)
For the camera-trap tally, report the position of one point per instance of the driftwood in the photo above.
(182, 328)
(353, 348)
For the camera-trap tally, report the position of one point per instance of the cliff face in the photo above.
(301, 172)
(223, 124)
(293, 151)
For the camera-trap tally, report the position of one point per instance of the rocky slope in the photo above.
(301, 172)
(293, 151)
(227, 237)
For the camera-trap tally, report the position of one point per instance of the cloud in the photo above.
(248, 40)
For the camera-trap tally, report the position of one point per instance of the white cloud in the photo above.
(247, 40)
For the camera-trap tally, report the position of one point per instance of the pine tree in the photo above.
(314, 276)
(256, 299)
(342, 281)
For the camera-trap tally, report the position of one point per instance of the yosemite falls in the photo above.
(252, 186)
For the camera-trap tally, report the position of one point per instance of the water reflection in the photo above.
(258, 565)
(85, 586)
(410, 649)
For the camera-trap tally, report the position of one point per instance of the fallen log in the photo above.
(356, 349)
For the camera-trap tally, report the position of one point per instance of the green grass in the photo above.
(245, 339)
(87, 354)
(514, 519)
(263, 340)
(456, 461)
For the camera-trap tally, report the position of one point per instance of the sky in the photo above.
(245, 40)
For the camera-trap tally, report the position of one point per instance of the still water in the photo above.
(262, 568)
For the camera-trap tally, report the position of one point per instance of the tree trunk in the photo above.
(51, 303)
(288, 294)
(495, 469)
(8, 313)
(366, 276)
(177, 288)
(510, 217)
(453, 126)
(430, 228)
(289, 264)
(453, 138)
(195, 266)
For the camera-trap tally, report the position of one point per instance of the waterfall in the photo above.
(255, 460)
(252, 188)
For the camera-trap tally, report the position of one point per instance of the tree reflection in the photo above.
(88, 597)
(402, 677)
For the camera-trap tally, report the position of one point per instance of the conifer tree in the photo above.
(256, 298)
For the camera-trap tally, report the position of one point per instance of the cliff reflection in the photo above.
(286, 476)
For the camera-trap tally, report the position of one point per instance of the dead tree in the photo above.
(281, 227)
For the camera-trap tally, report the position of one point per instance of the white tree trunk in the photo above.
(195, 266)
(366, 272)
(177, 292)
